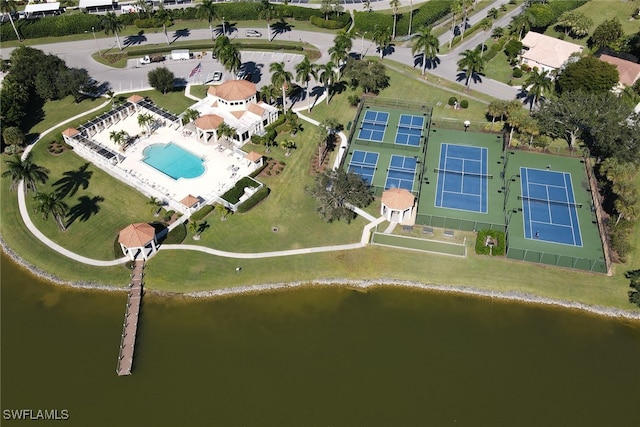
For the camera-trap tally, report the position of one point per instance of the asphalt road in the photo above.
(134, 76)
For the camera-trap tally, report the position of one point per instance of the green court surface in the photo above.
(589, 256)
(429, 214)
(504, 208)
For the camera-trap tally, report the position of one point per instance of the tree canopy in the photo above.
(335, 190)
(589, 74)
(367, 74)
(607, 33)
(161, 79)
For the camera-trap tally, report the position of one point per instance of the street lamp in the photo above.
(93, 30)
(362, 46)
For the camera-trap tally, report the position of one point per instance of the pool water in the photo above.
(173, 161)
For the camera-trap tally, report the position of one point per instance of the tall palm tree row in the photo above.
(472, 63)
(165, 18)
(52, 204)
(24, 169)
(227, 53)
(305, 70)
(342, 45)
(9, 7)
(327, 75)
(145, 120)
(455, 10)
(112, 24)
(395, 5)
(428, 44)
(281, 78)
(208, 10)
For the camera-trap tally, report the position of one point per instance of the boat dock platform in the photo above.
(130, 325)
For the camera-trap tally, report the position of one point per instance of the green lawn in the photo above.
(600, 11)
(499, 69)
(291, 211)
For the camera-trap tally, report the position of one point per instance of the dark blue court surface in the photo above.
(364, 164)
(549, 208)
(401, 172)
(409, 130)
(462, 178)
(373, 126)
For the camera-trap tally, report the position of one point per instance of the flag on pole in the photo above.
(196, 70)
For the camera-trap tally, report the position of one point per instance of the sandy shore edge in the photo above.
(522, 297)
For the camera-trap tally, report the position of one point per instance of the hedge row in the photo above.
(78, 23)
(202, 213)
(329, 24)
(256, 198)
(425, 15)
(233, 195)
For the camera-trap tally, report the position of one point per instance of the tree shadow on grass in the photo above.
(84, 209)
(72, 180)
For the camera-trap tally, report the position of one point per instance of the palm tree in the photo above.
(24, 169)
(223, 210)
(410, 16)
(456, 9)
(145, 120)
(119, 137)
(52, 204)
(156, 204)
(427, 43)
(112, 24)
(190, 115)
(497, 32)
(522, 23)
(269, 93)
(536, 85)
(267, 12)
(9, 7)
(326, 75)
(472, 63)
(288, 145)
(194, 227)
(208, 10)
(497, 109)
(229, 57)
(342, 44)
(516, 117)
(164, 17)
(281, 77)
(144, 8)
(465, 4)
(304, 71)
(394, 4)
(219, 45)
(381, 37)
(226, 131)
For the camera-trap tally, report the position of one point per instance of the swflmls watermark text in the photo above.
(35, 414)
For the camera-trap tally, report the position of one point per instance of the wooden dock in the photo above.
(130, 325)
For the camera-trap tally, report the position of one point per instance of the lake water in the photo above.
(315, 357)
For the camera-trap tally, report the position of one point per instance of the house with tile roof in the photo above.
(546, 53)
(628, 71)
(235, 103)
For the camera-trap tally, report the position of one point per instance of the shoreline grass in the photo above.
(185, 271)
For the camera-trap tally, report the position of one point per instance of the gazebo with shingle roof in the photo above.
(138, 239)
(397, 204)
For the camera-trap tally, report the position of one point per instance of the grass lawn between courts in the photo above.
(181, 271)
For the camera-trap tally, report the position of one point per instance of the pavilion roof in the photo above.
(398, 198)
(136, 235)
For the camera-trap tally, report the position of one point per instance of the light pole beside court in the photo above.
(93, 30)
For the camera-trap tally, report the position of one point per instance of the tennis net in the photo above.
(549, 202)
(478, 175)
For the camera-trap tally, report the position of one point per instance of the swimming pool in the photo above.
(173, 161)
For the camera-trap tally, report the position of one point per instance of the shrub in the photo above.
(202, 213)
(353, 100)
(329, 24)
(464, 103)
(147, 23)
(177, 235)
(517, 72)
(497, 250)
(525, 67)
(621, 237)
(233, 195)
(256, 198)
(453, 100)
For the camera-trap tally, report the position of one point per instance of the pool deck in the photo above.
(223, 166)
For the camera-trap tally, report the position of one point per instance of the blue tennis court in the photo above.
(401, 172)
(409, 130)
(549, 207)
(373, 126)
(463, 178)
(364, 164)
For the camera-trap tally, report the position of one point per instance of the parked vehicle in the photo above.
(217, 76)
(147, 59)
(180, 54)
(252, 33)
